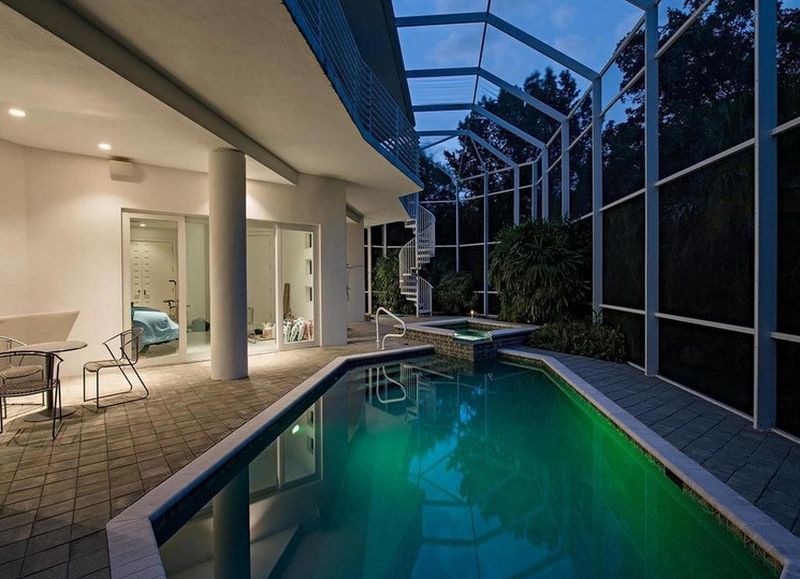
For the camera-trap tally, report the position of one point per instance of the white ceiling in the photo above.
(73, 104)
(246, 59)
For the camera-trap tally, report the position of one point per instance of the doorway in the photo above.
(166, 286)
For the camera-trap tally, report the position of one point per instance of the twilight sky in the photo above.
(587, 30)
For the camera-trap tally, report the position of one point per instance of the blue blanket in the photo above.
(157, 327)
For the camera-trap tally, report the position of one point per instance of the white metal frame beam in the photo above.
(492, 78)
(651, 217)
(505, 27)
(766, 215)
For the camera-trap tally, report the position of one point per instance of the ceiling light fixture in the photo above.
(104, 146)
(143, 225)
(19, 113)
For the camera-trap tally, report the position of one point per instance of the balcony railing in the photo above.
(374, 111)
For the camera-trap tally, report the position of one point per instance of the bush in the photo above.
(540, 268)
(453, 293)
(386, 286)
(583, 338)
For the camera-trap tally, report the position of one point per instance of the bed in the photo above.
(157, 327)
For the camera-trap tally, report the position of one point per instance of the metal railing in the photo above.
(381, 343)
(378, 116)
(415, 254)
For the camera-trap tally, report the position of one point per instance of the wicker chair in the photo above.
(27, 372)
(124, 349)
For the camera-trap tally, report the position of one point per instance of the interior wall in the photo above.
(294, 256)
(75, 256)
(14, 294)
(261, 275)
(356, 304)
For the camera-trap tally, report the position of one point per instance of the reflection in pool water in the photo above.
(498, 472)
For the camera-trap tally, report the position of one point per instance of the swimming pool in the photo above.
(428, 468)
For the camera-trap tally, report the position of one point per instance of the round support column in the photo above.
(227, 245)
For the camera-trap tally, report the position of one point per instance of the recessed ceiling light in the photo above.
(104, 146)
(19, 113)
(143, 225)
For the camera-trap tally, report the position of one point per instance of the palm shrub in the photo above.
(386, 286)
(581, 337)
(453, 293)
(539, 269)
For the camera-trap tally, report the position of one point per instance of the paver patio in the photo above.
(56, 497)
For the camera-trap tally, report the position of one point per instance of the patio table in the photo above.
(50, 348)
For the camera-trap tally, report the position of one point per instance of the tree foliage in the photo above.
(386, 286)
(538, 268)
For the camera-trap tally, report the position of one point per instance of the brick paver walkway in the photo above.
(56, 497)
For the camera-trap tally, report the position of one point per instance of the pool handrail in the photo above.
(380, 344)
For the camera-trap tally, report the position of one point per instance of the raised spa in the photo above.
(468, 338)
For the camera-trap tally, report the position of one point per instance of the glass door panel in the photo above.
(261, 327)
(154, 294)
(198, 304)
(297, 299)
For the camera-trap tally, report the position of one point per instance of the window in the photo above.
(717, 363)
(788, 417)
(706, 82)
(789, 232)
(706, 253)
(623, 254)
(632, 325)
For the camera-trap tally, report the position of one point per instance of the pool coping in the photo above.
(505, 329)
(133, 551)
(768, 535)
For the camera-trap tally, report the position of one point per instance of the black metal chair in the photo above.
(128, 343)
(8, 343)
(27, 372)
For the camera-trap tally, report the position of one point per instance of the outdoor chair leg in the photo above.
(147, 392)
(124, 375)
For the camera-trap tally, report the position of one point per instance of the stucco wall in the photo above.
(73, 217)
(14, 295)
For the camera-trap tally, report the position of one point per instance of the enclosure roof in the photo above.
(458, 52)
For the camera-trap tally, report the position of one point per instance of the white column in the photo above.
(766, 214)
(651, 271)
(227, 233)
(231, 510)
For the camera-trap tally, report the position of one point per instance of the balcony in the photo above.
(376, 114)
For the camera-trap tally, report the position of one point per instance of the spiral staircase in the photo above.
(415, 255)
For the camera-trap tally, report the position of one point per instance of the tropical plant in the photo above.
(386, 286)
(453, 294)
(538, 268)
(581, 337)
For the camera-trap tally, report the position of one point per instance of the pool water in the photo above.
(496, 472)
(471, 335)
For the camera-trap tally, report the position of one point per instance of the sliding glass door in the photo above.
(153, 262)
(298, 304)
(166, 286)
